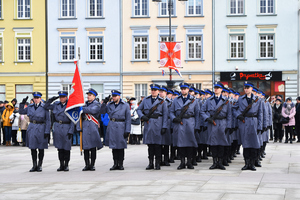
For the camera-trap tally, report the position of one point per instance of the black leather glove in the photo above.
(231, 131)
(269, 127)
(240, 117)
(144, 118)
(53, 98)
(70, 136)
(236, 128)
(24, 100)
(176, 120)
(46, 135)
(106, 99)
(163, 131)
(204, 128)
(126, 135)
(201, 128)
(258, 131)
(210, 120)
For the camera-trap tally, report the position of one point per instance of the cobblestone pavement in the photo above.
(279, 178)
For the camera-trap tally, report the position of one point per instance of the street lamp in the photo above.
(170, 83)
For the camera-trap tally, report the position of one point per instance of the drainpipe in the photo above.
(46, 13)
(121, 45)
(213, 42)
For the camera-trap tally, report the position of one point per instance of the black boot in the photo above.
(231, 155)
(238, 150)
(166, 161)
(34, 166)
(39, 167)
(205, 153)
(189, 163)
(251, 165)
(157, 164)
(121, 165)
(172, 155)
(194, 162)
(151, 165)
(246, 164)
(224, 162)
(228, 159)
(115, 166)
(66, 168)
(182, 163)
(87, 165)
(220, 164)
(257, 163)
(61, 167)
(215, 164)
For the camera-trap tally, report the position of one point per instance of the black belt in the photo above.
(155, 116)
(35, 122)
(117, 120)
(220, 118)
(251, 115)
(61, 122)
(188, 116)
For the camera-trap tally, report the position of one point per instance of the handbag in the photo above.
(136, 121)
(284, 120)
(19, 136)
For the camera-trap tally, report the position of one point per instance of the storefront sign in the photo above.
(279, 86)
(248, 76)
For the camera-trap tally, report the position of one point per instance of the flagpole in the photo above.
(80, 115)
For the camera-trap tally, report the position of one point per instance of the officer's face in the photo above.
(192, 93)
(37, 100)
(174, 96)
(90, 97)
(63, 99)
(218, 90)
(184, 91)
(170, 96)
(116, 98)
(207, 95)
(225, 94)
(236, 97)
(162, 93)
(154, 92)
(248, 90)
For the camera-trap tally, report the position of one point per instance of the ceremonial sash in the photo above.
(92, 118)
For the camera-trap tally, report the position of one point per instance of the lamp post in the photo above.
(170, 82)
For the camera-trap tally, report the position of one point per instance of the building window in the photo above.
(1, 50)
(96, 49)
(164, 8)
(236, 7)
(266, 6)
(22, 91)
(140, 8)
(140, 48)
(67, 88)
(196, 85)
(0, 9)
(194, 7)
(140, 90)
(266, 44)
(2, 92)
(23, 49)
(23, 9)
(68, 49)
(195, 47)
(236, 46)
(67, 8)
(95, 8)
(99, 89)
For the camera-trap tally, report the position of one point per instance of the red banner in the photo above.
(170, 54)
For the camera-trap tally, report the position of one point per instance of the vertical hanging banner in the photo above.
(170, 54)
(76, 98)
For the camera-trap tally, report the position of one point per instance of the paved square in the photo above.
(279, 178)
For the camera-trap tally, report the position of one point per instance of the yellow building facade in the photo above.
(22, 48)
(145, 23)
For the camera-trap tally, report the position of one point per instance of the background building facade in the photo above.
(256, 40)
(94, 27)
(145, 23)
(22, 48)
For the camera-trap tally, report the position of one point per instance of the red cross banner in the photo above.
(170, 54)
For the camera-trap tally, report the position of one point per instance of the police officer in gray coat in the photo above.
(184, 114)
(63, 129)
(250, 124)
(38, 130)
(154, 112)
(91, 140)
(118, 128)
(218, 124)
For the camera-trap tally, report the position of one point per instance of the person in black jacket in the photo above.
(297, 118)
(276, 118)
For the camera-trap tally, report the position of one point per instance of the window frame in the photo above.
(89, 9)
(138, 96)
(140, 16)
(141, 43)
(167, 10)
(259, 8)
(1, 46)
(244, 46)
(23, 11)
(89, 49)
(267, 47)
(1, 10)
(68, 10)
(237, 8)
(61, 48)
(26, 93)
(1, 93)
(194, 9)
(69, 85)
(24, 45)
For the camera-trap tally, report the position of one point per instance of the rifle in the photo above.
(218, 111)
(248, 108)
(184, 109)
(153, 109)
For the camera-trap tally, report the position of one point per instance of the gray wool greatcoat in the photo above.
(185, 133)
(90, 133)
(248, 130)
(216, 134)
(60, 130)
(166, 138)
(268, 109)
(152, 128)
(203, 134)
(115, 130)
(35, 132)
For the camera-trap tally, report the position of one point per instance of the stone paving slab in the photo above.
(279, 178)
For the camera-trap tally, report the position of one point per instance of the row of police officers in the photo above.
(188, 121)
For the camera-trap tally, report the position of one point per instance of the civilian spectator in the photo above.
(289, 111)
(9, 109)
(23, 125)
(14, 120)
(277, 109)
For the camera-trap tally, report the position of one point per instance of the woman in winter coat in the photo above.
(9, 109)
(277, 110)
(288, 110)
(135, 129)
(14, 118)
